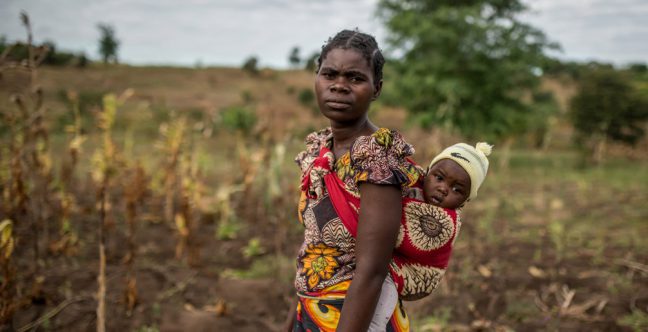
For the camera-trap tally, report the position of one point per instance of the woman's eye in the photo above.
(439, 177)
(356, 79)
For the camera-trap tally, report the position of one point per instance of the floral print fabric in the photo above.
(327, 256)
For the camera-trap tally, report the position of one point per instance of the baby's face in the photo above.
(446, 185)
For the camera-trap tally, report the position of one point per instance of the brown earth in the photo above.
(516, 269)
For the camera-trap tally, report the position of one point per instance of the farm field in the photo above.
(186, 177)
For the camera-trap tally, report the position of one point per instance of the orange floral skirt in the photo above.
(321, 312)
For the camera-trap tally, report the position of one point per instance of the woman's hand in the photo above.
(380, 215)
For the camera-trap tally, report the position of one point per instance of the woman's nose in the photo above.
(339, 85)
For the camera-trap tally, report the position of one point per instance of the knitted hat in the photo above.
(471, 159)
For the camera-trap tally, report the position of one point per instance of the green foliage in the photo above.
(607, 106)
(253, 248)
(638, 68)
(544, 110)
(638, 321)
(250, 65)
(86, 101)
(294, 59)
(228, 230)
(306, 97)
(465, 65)
(439, 321)
(310, 63)
(238, 118)
(20, 51)
(247, 96)
(108, 43)
(269, 266)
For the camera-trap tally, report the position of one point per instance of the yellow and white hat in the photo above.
(473, 159)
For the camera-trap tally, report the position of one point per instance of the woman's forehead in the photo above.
(345, 59)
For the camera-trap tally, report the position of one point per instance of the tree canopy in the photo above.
(607, 107)
(467, 65)
(108, 43)
(294, 58)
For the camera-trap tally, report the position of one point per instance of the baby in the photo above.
(428, 229)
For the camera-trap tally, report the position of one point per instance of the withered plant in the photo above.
(172, 136)
(26, 176)
(135, 190)
(105, 166)
(8, 301)
(68, 238)
(191, 192)
(28, 145)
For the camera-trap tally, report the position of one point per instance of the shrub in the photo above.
(306, 97)
(607, 107)
(250, 65)
(238, 118)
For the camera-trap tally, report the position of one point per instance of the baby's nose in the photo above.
(443, 190)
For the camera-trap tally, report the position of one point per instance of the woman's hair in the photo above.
(363, 43)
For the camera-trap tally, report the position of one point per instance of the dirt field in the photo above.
(547, 246)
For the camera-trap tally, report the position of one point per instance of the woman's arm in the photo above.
(380, 215)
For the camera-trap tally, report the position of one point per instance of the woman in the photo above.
(341, 262)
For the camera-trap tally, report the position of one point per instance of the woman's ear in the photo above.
(377, 90)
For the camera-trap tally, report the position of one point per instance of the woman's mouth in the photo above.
(337, 105)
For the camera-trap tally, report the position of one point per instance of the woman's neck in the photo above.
(344, 135)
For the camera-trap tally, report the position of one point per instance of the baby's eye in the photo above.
(457, 190)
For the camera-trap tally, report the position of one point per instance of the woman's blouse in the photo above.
(327, 258)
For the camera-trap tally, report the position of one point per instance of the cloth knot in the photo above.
(313, 181)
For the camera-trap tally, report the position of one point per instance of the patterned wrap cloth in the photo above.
(329, 208)
(326, 259)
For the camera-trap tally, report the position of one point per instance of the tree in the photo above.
(310, 62)
(607, 107)
(468, 65)
(250, 65)
(108, 43)
(294, 57)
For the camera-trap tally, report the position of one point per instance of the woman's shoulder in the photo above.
(383, 141)
(382, 158)
(314, 142)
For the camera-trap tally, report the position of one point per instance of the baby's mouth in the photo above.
(436, 200)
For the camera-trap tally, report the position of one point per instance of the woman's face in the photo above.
(345, 86)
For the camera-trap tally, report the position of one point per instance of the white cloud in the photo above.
(226, 32)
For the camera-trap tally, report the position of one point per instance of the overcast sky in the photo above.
(221, 32)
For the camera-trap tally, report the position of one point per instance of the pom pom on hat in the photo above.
(484, 148)
(472, 159)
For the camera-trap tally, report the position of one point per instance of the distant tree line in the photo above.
(108, 47)
(55, 57)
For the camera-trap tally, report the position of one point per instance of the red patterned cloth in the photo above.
(426, 233)
(327, 255)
